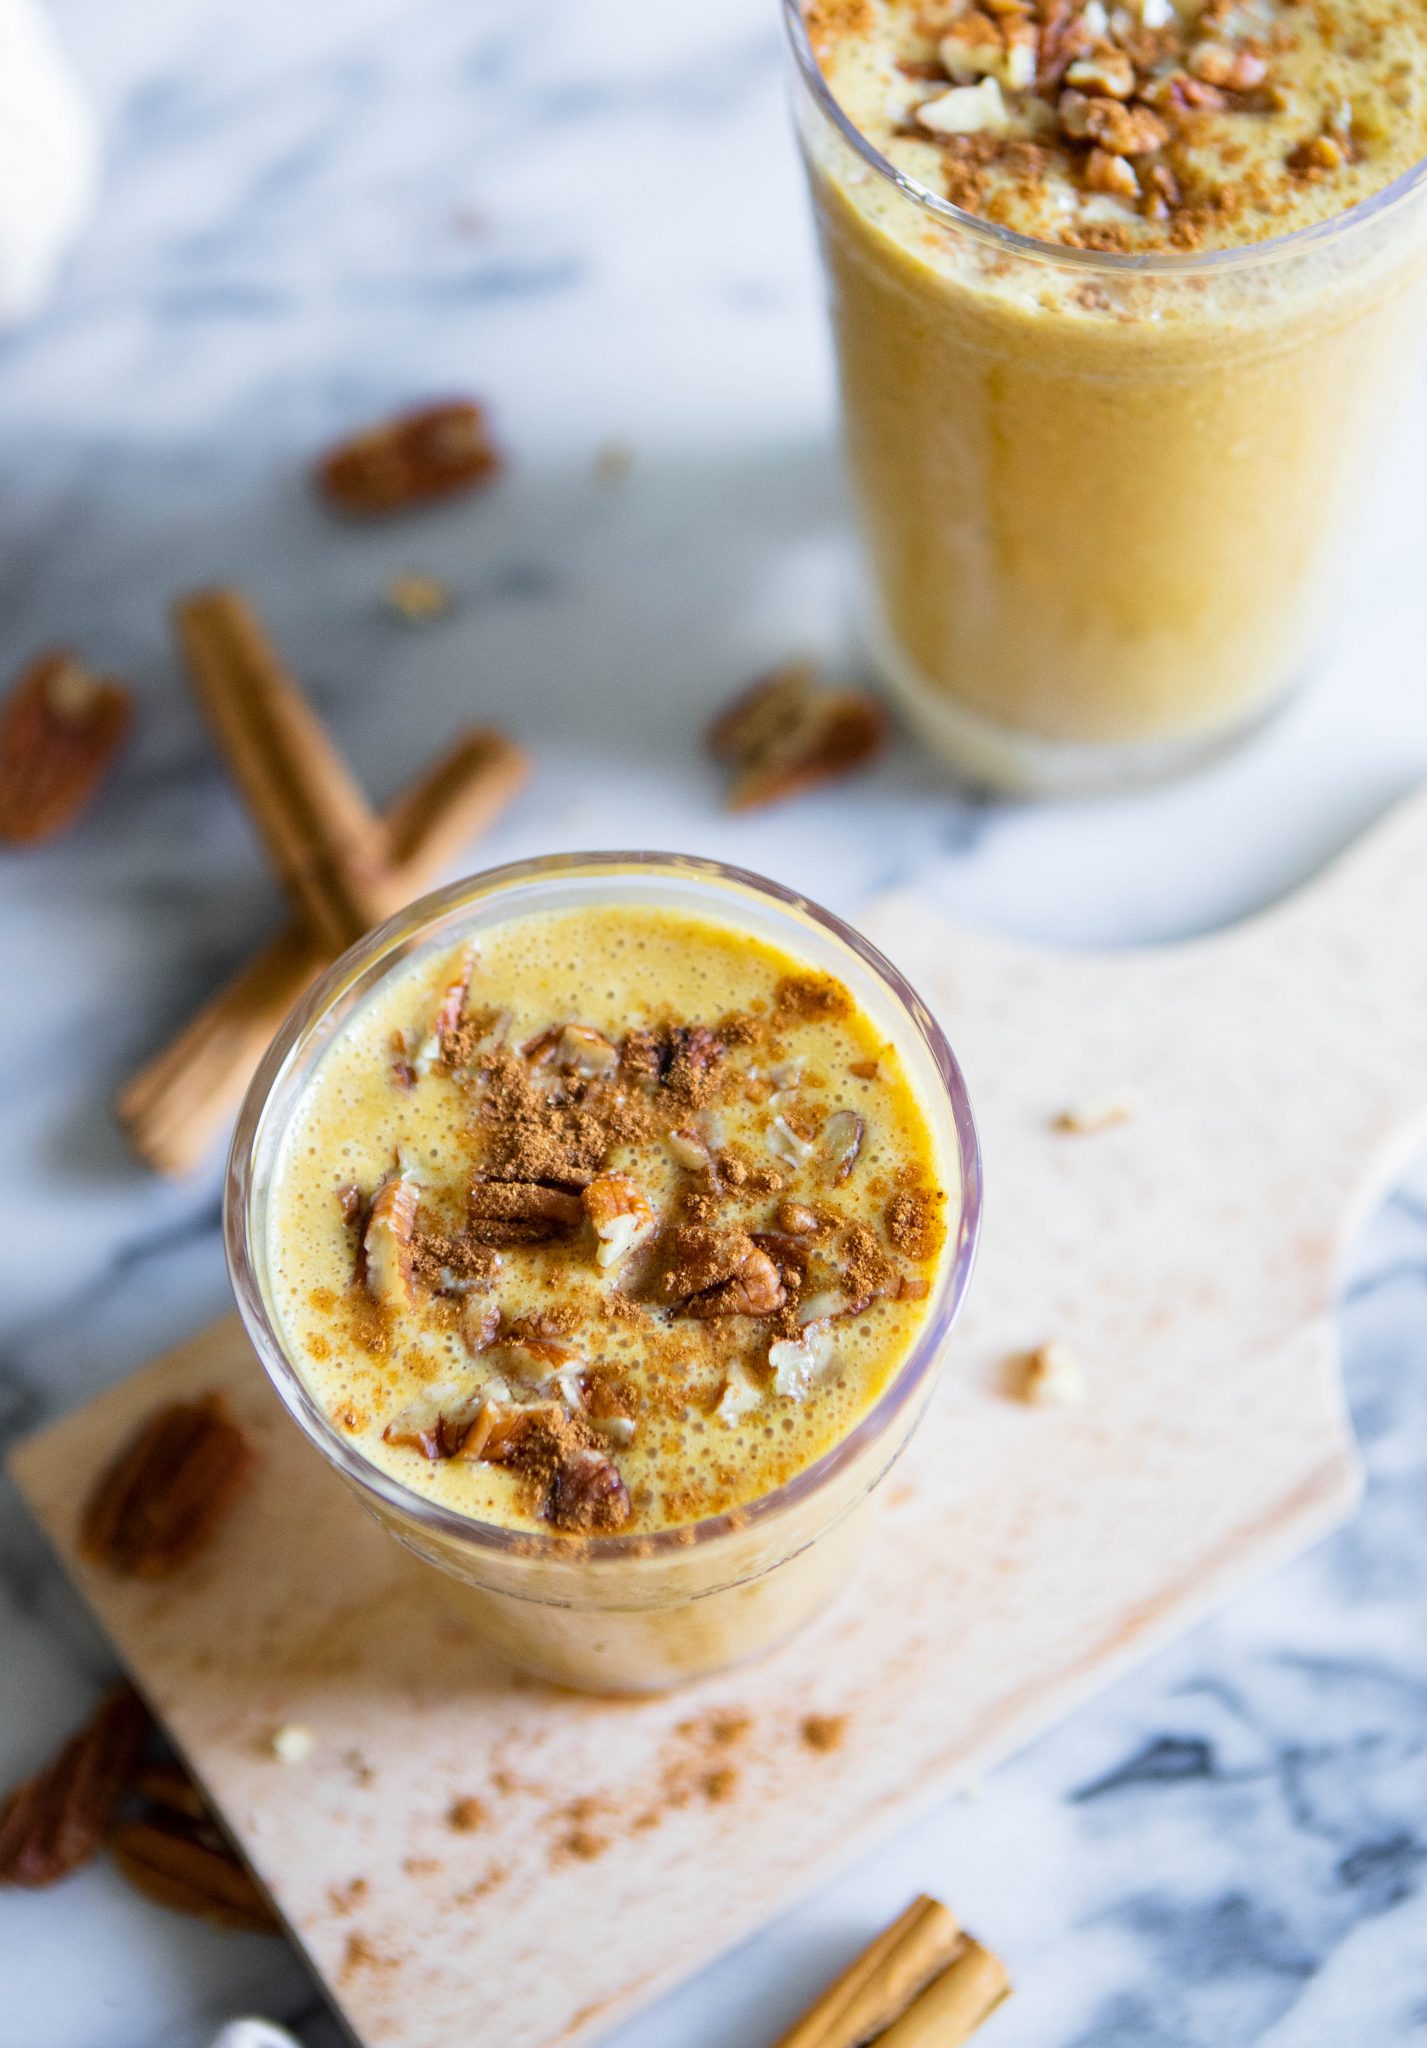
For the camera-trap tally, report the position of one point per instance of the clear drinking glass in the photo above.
(623, 1613)
(1103, 498)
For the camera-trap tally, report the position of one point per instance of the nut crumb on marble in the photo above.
(418, 598)
(291, 1743)
(1051, 1376)
(1100, 1112)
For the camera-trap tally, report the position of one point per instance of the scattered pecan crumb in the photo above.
(433, 452)
(786, 734)
(60, 729)
(417, 597)
(824, 1732)
(291, 1743)
(165, 1494)
(1100, 1112)
(613, 462)
(1051, 1376)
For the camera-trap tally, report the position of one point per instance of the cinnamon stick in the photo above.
(954, 2004)
(327, 845)
(923, 1971)
(176, 1104)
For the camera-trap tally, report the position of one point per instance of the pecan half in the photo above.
(162, 1498)
(787, 734)
(191, 1870)
(504, 1212)
(433, 452)
(58, 1819)
(59, 731)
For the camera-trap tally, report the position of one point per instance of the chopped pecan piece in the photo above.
(191, 1870)
(797, 1361)
(690, 1150)
(622, 1214)
(1106, 71)
(797, 1219)
(740, 1396)
(574, 1049)
(167, 1491)
(505, 1212)
(787, 734)
(756, 1289)
(438, 1422)
(452, 1006)
(436, 451)
(577, 1483)
(387, 1242)
(1122, 130)
(1112, 174)
(1233, 70)
(842, 1142)
(59, 731)
(58, 1819)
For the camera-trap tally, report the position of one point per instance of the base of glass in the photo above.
(1011, 762)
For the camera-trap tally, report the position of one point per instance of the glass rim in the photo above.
(1166, 263)
(365, 959)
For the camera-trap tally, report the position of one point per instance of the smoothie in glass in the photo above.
(604, 1221)
(1123, 298)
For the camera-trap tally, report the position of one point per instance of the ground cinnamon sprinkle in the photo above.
(466, 1815)
(824, 1732)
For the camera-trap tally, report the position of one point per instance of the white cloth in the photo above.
(49, 158)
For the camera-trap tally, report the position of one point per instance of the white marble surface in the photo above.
(592, 216)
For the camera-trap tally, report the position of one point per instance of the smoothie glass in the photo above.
(1103, 497)
(624, 1613)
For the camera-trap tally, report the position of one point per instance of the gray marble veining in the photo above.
(591, 215)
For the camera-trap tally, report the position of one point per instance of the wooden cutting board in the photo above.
(1022, 1556)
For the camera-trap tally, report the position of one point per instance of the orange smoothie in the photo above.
(1123, 299)
(603, 1221)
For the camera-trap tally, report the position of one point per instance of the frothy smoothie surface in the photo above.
(607, 1220)
(1155, 125)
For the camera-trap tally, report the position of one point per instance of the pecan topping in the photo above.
(576, 1483)
(59, 731)
(786, 734)
(437, 451)
(165, 1494)
(505, 1212)
(452, 1007)
(756, 1289)
(841, 1142)
(622, 1214)
(797, 1219)
(574, 1049)
(439, 1422)
(1122, 130)
(680, 1059)
(387, 1241)
(191, 1870)
(58, 1819)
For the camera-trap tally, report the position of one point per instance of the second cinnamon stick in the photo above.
(173, 1108)
(326, 843)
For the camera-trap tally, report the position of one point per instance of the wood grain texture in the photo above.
(1021, 1558)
